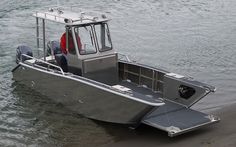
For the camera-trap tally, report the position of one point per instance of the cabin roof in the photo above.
(71, 18)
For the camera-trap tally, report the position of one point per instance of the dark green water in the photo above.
(191, 37)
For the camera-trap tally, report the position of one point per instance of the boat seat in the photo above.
(62, 62)
(53, 47)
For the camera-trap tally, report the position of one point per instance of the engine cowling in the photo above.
(23, 50)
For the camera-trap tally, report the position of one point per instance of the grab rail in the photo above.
(62, 72)
(46, 15)
(54, 17)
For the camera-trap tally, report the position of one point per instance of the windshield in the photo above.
(85, 40)
(103, 37)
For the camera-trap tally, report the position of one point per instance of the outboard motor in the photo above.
(53, 47)
(23, 50)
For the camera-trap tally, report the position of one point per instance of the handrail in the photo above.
(44, 62)
(54, 17)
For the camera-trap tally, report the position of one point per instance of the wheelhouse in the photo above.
(93, 52)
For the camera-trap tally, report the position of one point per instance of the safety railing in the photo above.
(47, 15)
(56, 17)
(42, 61)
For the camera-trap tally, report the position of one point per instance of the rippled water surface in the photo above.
(190, 37)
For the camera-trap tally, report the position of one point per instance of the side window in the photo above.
(103, 37)
(85, 40)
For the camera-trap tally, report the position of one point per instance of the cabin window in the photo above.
(85, 40)
(103, 37)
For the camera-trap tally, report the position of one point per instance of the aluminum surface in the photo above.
(84, 99)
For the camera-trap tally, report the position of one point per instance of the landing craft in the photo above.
(95, 81)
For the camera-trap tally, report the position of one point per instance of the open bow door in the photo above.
(176, 117)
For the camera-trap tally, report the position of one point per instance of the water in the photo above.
(190, 37)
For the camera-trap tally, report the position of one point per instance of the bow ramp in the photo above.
(176, 119)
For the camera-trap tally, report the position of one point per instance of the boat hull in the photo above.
(85, 99)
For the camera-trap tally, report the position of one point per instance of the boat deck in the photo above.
(141, 92)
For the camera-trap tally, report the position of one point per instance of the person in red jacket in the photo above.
(71, 46)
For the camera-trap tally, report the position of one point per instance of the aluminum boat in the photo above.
(97, 82)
